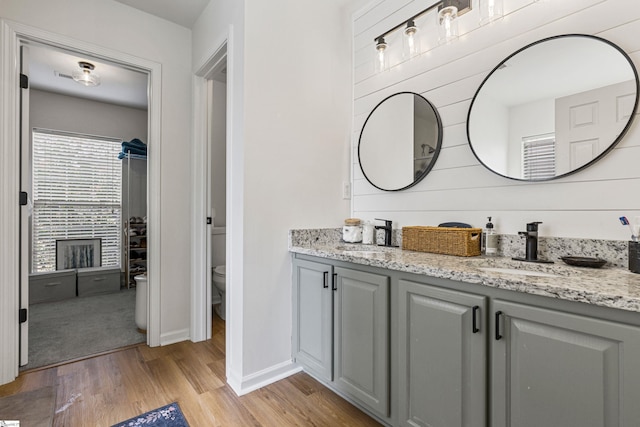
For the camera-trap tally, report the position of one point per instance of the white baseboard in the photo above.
(262, 378)
(174, 337)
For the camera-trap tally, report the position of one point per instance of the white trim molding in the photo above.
(12, 35)
(10, 214)
(263, 378)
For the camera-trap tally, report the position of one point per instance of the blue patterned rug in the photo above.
(167, 416)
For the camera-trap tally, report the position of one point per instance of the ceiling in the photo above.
(182, 12)
(50, 69)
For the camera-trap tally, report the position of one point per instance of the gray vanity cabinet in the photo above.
(442, 356)
(551, 368)
(361, 340)
(313, 322)
(341, 330)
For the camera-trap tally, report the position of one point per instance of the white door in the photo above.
(587, 122)
(25, 210)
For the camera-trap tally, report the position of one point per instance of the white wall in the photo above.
(586, 204)
(118, 27)
(291, 118)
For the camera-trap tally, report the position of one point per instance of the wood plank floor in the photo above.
(107, 389)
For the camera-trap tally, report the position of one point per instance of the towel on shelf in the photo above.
(134, 147)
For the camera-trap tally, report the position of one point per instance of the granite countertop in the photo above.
(608, 286)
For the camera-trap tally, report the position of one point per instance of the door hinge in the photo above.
(209, 220)
(24, 81)
(24, 198)
(23, 315)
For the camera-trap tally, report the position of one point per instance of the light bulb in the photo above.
(381, 60)
(448, 24)
(411, 46)
(490, 10)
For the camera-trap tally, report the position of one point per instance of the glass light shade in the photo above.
(447, 24)
(381, 60)
(86, 78)
(490, 10)
(410, 41)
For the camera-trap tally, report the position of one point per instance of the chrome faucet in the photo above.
(387, 230)
(531, 245)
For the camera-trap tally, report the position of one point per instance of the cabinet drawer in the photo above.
(52, 286)
(95, 281)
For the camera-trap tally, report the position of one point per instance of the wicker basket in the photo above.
(442, 240)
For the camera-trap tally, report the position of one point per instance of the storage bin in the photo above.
(52, 286)
(442, 240)
(98, 280)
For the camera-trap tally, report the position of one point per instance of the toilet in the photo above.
(218, 286)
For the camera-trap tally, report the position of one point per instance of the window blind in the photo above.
(539, 156)
(77, 193)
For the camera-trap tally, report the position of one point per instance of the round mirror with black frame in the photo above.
(553, 107)
(400, 141)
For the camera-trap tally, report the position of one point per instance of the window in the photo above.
(539, 156)
(77, 193)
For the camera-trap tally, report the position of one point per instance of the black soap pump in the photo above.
(489, 239)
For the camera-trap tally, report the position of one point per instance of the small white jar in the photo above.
(352, 231)
(367, 233)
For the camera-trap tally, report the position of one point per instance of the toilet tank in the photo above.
(218, 246)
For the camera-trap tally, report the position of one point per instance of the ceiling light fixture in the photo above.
(448, 12)
(84, 74)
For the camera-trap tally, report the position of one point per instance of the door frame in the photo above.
(12, 35)
(201, 313)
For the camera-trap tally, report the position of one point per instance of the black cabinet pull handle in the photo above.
(474, 315)
(498, 336)
(334, 282)
(325, 279)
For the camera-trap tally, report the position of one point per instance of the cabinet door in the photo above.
(313, 311)
(361, 345)
(556, 369)
(441, 356)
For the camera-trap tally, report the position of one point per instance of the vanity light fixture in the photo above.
(448, 13)
(84, 75)
(490, 10)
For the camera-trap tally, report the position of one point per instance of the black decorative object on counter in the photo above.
(581, 261)
(634, 257)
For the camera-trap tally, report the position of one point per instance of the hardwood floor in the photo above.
(107, 389)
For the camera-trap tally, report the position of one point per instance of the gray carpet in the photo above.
(78, 327)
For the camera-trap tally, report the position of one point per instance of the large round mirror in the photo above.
(400, 141)
(553, 107)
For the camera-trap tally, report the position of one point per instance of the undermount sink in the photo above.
(360, 250)
(516, 271)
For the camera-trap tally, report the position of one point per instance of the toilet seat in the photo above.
(220, 270)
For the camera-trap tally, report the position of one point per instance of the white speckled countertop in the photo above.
(608, 286)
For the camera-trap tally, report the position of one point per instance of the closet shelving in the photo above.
(135, 234)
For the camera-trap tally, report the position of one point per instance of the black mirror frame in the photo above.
(595, 159)
(435, 154)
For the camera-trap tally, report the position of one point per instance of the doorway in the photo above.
(84, 186)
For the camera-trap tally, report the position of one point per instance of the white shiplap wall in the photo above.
(584, 205)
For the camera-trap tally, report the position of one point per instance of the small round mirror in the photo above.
(400, 141)
(553, 108)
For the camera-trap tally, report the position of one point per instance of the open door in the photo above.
(25, 204)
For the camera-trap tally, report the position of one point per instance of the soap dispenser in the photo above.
(489, 239)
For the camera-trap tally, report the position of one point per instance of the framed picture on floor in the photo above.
(78, 253)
